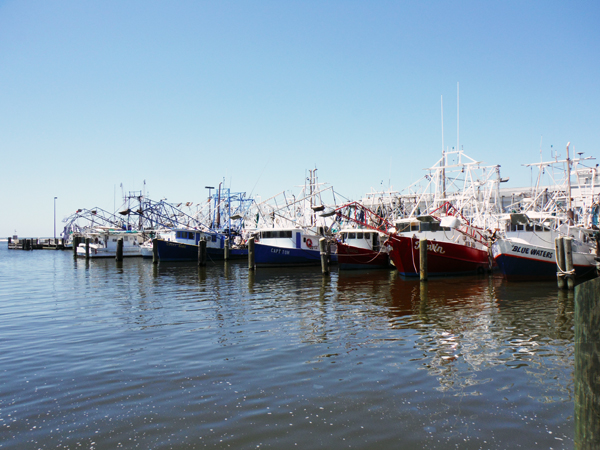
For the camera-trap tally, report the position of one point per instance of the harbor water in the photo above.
(103, 355)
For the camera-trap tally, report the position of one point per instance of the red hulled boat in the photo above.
(453, 246)
(361, 249)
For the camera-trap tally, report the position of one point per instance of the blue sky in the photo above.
(188, 94)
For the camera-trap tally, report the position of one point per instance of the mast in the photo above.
(457, 119)
(569, 211)
(443, 154)
(219, 207)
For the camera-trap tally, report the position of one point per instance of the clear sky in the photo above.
(186, 94)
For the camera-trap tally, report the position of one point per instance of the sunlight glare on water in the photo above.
(106, 355)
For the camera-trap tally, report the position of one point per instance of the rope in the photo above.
(412, 252)
(561, 271)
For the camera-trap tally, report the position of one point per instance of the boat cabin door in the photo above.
(375, 242)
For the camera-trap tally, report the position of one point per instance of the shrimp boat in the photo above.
(453, 246)
(288, 235)
(286, 247)
(221, 219)
(526, 251)
(183, 246)
(450, 208)
(359, 241)
(524, 242)
(359, 248)
(103, 243)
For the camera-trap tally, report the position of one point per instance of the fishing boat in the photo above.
(526, 249)
(359, 240)
(289, 230)
(449, 208)
(524, 242)
(453, 246)
(183, 246)
(218, 222)
(359, 248)
(286, 247)
(103, 243)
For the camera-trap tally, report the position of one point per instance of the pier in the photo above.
(35, 244)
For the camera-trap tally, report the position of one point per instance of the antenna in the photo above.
(569, 183)
(457, 117)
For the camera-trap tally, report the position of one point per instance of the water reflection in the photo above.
(173, 355)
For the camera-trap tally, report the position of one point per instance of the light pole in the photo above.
(55, 220)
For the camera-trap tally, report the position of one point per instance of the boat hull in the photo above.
(100, 252)
(356, 258)
(177, 251)
(276, 256)
(521, 261)
(443, 258)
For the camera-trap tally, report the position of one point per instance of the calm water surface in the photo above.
(104, 355)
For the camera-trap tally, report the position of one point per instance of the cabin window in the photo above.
(403, 227)
(285, 234)
(414, 227)
(519, 227)
(528, 227)
(359, 235)
(344, 236)
(214, 238)
(538, 227)
(351, 235)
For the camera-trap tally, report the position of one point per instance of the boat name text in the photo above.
(432, 247)
(532, 252)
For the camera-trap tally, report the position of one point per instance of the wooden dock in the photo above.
(35, 244)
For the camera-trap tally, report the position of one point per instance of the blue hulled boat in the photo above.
(286, 247)
(183, 246)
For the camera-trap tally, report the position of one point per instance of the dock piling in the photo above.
(87, 247)
(75, 245)
(119, 255)
(202, 252)
(154, 252)
(251, 265)
(226, 250)
(324, 257)
(423, 259)
(570, 273)
(560, 262)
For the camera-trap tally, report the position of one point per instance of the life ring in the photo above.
(309, 243)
